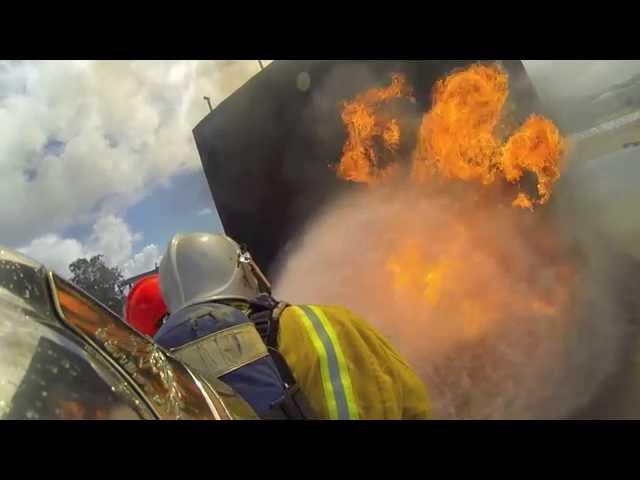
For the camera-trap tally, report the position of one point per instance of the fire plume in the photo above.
(461, 273)
(365, 122)
(413, 273)
(458, 138)
(536, 147)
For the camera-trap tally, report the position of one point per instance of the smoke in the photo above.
(500, 359)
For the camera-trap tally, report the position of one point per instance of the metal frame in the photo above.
(127, 282)
(206, 396)
(215, 413)
(58, 308)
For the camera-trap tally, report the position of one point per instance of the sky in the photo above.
(557, 80)
(568, 89)
(98, 156)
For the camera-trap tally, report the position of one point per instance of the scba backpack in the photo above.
(219, 341)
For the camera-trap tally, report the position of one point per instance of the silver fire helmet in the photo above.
(199, 267)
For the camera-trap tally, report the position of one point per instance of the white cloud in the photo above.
(55, 252)
(111, 237)
(145, 260)
(125, 127)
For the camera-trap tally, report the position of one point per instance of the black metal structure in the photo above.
(267, 149)
(128, 282)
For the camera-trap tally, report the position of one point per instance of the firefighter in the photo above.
(332, 363)
(145, 308)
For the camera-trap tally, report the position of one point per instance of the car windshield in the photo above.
(45, 376)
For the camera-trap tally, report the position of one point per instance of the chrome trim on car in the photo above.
(213, 409)
(90, 341)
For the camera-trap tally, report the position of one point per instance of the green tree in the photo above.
(99, 280)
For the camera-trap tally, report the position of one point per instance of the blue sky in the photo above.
(184, 205)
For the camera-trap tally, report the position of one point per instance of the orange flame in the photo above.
(458, 137)
(523, 201)
(536, 146)
(462, 275)
(360, 162)
(413, 273)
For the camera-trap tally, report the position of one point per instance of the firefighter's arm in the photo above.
(399, 388)
(410, 390)
(416, 404)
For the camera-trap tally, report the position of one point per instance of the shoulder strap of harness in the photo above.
(266, 318)
(265, 315)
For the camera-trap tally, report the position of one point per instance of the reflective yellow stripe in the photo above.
(342, 364)
(336, 380)
(324, 363)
